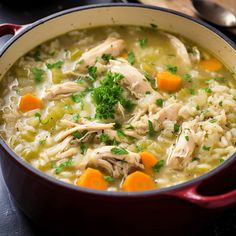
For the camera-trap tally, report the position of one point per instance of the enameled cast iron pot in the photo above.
(63, 207)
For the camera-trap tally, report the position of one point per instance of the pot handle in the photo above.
(211, 202)
(9, 29)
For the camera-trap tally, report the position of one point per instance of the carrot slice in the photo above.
(168, 81)
(148, 160)
(29, 102)
(92, 178)
(211, 64)
(138, 181)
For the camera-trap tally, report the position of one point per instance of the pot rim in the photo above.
(141, 194)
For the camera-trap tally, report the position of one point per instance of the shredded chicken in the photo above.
(170, 112)
(181, 50)
(62, 90)
(111, 46)
(114, 164)
(133, 79)
(92, 126)
(184, 147)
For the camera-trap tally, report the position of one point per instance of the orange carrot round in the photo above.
(148, 160)
(211, 64)
(92, 178)
(168, 82)
(29, 102)
(138, 181)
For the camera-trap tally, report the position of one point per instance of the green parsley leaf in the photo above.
(143, 42)
(221, 103)
(159, 102)
(196, 159)
(212, 120)
(191, 91)
(131, 58)
(220, 79)
(206, 148)
(109, 178)
(42, 141)
(92, 70)
(57, 65)
(38, 74)
(197, 108)
(77, 134)
(62, 166)
(221, 160)
(120, 133)
(176, 128)
(83, 148)
(151, 131)
(187, 138)
(107, 57)
(119, 151)
(208, 90)
(172, 69)
(76, 117)
(158, 166)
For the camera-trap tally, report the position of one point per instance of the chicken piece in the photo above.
(184, 147)
(92, 126)
(111, 46)
(68, 153)
(133, 79)
(170, 112)
(181, 50)
(62, 90)
(115, 164)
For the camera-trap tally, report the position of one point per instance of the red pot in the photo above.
(62, 207)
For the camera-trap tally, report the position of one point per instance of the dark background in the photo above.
(12, 221)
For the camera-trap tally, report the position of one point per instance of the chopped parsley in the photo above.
(220, 79)
(107, 57)
(120, 133)
(221, 103)
(158, 166)
(43, 122)
(76, 98)
(208, 90)
(92, 70)
(109, 178)
(151, 131)
(206, 148)
(107, 95)
(172, 69)
(143, 42)
(76, 117)
(119, 151)
(62, 166)
(176, 128)
(187, 138)
(83, 148)
(191, 91)
(104, 138)
(42, 141)
(196, 159)
(212, 120)
(77, 134)
(131, 58)
(221, 160)
(197, 108)
(38, 74)
(159, 102)
(188, 78)
(57, 65)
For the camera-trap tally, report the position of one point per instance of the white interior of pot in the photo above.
(119, 15)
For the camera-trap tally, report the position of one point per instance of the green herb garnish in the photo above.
(172, 69)
(131, 58)
(43, 122)
(119, 151)
(151, 131)
(109, 178)
(120, 133)
(196, 159)
(143, 42)
(77, 134)
(208, 90)
(62, 166)
(107, 57)
(176, 128)
(57, 65)
(212, 120)
(158, 166)
(187, 138)
(159, 102)
(38, 74)
(83, 148)
(76, 117)
(206, 148)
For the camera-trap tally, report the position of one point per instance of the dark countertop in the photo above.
(12, 220)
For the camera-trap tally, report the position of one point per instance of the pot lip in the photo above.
(141, 194)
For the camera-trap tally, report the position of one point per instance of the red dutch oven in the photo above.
(181, 209)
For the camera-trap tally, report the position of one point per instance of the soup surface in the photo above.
(120, 109)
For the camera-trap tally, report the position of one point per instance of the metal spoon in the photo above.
(214, 13)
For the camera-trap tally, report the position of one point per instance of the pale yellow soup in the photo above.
(83, 116)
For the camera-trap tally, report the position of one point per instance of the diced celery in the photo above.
(75, 53)
(57, 76)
